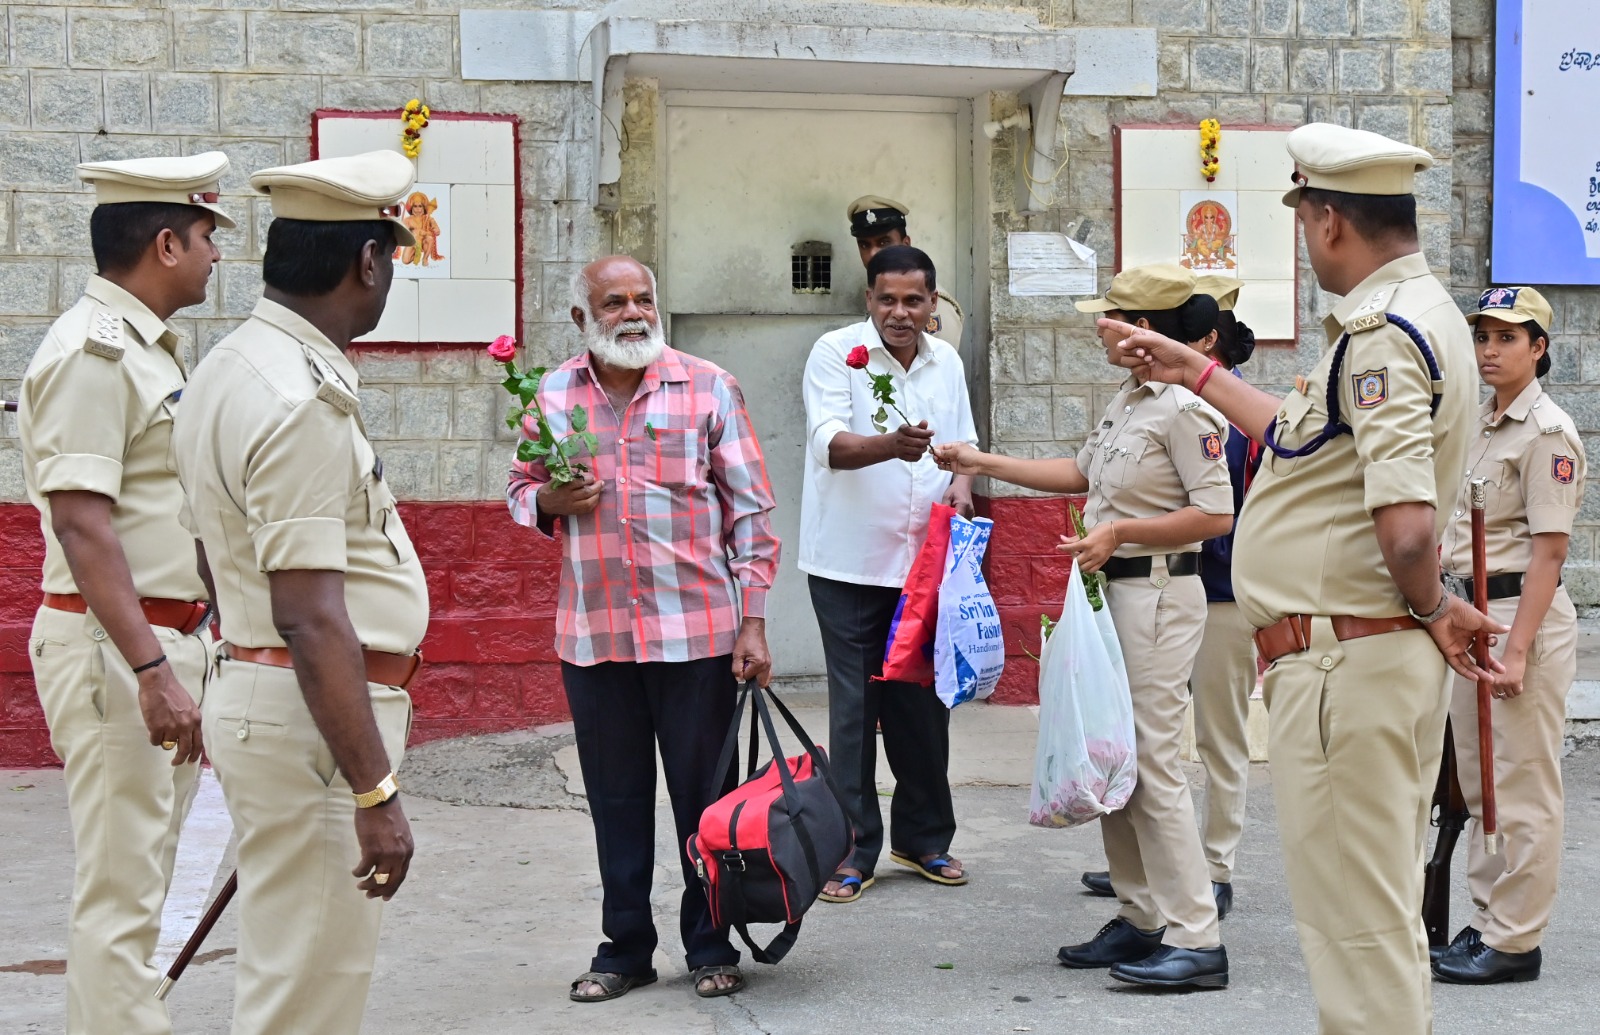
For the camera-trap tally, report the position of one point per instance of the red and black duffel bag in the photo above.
(765, 849)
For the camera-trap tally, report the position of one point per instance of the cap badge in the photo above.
(1372, 388)
(1562, 469)
(872, 217)
(1498, 298)
(206, 197)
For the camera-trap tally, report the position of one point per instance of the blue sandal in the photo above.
(852, 887)
(930, 870)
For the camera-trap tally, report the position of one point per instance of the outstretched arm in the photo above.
(1156, 357)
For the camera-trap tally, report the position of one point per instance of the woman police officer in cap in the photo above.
(1529, 453)
(1157, 487)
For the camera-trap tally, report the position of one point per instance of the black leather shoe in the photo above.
(1172, 967)
(1483, 964)
(1117, 942)
(1223, 893)
(1099, 883)
(1465, 939)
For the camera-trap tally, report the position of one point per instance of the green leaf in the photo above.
(512, 383)
(650, 430)
(880, 418)
(580, 419)
(528, 451)
(547, 438)
(592, 442)
(568, 447)
(944, 966)
(883, 429)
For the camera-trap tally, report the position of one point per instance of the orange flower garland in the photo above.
(1210, 141)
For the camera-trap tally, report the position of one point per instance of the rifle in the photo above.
(1450, 817)
(196, 939)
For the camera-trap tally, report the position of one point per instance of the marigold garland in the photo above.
(415, 116)
(1210, 140)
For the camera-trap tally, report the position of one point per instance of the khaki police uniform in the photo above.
(1158, 449)
(1223, 679)
(279, 475)
(871, 215)
(95, 415)
(1357, 725)
(1533, 462)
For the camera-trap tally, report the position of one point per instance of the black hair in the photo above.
(311, 258)
(901, 258)
(1535, 332)
(1235, 340)
(120, 233)
(1376, 217)
(1191, 321)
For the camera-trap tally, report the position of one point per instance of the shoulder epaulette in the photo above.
(1550, 423)
(1192, 404)
(105, 335)
(331, 388)
(1370, 315)
(953, 303)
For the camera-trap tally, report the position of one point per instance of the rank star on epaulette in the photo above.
(105, 336)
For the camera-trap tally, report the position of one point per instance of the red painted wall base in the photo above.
(491, 664)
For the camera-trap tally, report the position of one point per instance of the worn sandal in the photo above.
(615, 985)
(728, 970)
(930, 870)
(852, 888)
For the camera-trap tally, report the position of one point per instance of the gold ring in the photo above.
(168, 745)
(380, 878)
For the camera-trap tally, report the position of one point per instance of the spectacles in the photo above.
(208, 197)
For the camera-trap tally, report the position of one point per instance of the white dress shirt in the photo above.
(865, 526)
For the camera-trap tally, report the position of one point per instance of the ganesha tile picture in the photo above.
(1210, 231)
(426, 211)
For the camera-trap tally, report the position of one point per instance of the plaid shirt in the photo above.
(649, 574)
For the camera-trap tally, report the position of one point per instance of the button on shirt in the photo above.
(1533, 462)
(278, 475)
(682, 533)
(1158, 449)
(92, 423)
(1312, 547)
(865, 526)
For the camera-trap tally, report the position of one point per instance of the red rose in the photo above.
(503, 349)
(857, 360)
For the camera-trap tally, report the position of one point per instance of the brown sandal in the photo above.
(615, 985)
(726, 970)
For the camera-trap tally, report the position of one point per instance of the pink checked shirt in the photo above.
(650, 574)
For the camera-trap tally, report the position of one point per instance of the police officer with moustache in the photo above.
(1341, 575)
(323, 599)
(95, 421)
(878, 223)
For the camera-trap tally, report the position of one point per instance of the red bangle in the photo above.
(1205, 375)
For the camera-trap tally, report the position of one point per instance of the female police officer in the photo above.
(1529, 453)
(1157, 486)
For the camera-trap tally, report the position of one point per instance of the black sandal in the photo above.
(725, 970)
(615, 985)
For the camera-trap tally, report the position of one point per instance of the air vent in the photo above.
(811, 268)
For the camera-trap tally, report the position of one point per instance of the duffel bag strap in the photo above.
(818, 761)
(776, 949)
(730, 744)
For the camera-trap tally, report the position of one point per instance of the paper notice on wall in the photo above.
(1049, 264)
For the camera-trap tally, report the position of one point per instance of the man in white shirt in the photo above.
(863, 517)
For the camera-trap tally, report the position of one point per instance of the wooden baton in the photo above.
(198, 938)
(1480, 653)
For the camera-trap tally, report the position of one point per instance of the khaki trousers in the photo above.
(1152, 846)
(1224, 676)
(126, 802)
(1515, 890)
(1357, 730)
(307, 936)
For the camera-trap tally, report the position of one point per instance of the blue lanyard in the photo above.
(1336, 427)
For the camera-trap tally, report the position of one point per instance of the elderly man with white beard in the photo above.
(667, 558)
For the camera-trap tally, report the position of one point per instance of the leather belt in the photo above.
(382, 668)
(1508, 584)
(183, 615)
(1139, 567)
(1292, 634)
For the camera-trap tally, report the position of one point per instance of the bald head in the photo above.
(614, 275)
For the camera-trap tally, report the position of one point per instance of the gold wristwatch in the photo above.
(387, 788)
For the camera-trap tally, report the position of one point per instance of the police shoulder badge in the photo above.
(1563, 469)
(934, 323)
(1211, 445)
(1372, 387)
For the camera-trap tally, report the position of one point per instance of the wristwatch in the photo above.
(1437, 613)
(387, 788)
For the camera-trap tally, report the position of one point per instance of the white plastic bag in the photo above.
(968, 648)
(1085, 765)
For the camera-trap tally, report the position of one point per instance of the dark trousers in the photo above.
(916, 728)
(621, 711)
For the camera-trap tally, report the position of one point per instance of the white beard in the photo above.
(624, 355)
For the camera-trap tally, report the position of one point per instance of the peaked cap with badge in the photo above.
(871, 215)
(1514, 305)
(1154, 287)
(1352, 161)
(175, 180)
(351, 189)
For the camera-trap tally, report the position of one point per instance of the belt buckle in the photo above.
(1458, 586)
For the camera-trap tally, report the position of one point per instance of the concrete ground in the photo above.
(502, 911)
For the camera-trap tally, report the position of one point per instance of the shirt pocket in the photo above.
(1502, 500)
(1293, 426)
(384, 517)
(1119, 464)
(675, 461)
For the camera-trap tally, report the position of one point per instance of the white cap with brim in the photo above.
(175, 180)
(1353, 161)
(357, 188)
